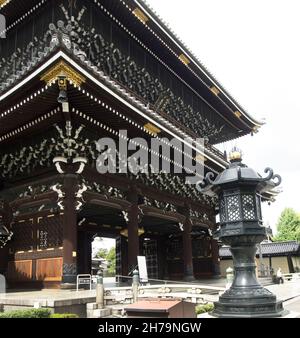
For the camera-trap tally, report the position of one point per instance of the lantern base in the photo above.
(256, 302)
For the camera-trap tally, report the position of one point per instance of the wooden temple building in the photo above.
(74, 71)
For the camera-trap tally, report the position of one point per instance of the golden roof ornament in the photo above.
(235, 155)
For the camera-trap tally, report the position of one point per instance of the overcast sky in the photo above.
(252, 48)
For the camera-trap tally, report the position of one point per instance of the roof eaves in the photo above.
(168, 31)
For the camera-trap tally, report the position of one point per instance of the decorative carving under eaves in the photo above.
(175, 185)
(201, 216)
(79, 196)
(164, 206)
(79, 200)
(104, 57)
(32, 191)
(126, 215)
(67, 143)
(60, 195)
(107, 191)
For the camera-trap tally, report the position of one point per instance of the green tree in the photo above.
(102, 253)
(288, 226)
(111, 258)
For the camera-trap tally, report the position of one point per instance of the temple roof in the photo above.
(167, 31)
(143, 24)
(270, 249)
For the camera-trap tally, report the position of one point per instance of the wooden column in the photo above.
(187, 251)
(70, 186)
(84, 252)
(162, 257)
(124, 256)
(7, 219)
(133, 235)
(215, 257)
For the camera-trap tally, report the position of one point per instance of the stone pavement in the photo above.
(293, 305)
(286, 291)
(289, 293)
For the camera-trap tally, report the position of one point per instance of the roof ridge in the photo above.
(197, 60)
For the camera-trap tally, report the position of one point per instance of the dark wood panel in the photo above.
(49, 269)
(19, 270)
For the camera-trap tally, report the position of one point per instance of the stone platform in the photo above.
(60, 301)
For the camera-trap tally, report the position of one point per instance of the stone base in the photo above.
(248, 302)
(286, 315)
(92, 311)
(242, 309)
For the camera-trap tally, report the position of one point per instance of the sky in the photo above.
(252, 47)
(103, 243)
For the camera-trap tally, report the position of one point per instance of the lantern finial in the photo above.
(235, 155)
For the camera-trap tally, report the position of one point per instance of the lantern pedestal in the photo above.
(246, 297)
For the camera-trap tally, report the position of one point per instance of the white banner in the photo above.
(142, 269)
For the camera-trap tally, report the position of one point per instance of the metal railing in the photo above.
(167, 281)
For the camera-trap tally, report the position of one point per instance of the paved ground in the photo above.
(289, 293)
(286, 291)
(293, 305)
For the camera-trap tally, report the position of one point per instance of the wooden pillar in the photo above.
(69, 230)
(215, 257)
(133, 237)
(188, 268)
(133, 234)
(84, 252)
(162, 257)
(3, 259)
(7, 219)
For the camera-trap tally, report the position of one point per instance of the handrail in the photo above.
(165, 281)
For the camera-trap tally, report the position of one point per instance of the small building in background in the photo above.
(99, 264)
(284, 255)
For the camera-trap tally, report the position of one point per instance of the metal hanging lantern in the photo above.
(239, 190)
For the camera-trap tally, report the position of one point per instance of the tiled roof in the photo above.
(273, 249)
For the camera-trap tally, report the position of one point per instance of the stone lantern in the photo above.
(239, 190)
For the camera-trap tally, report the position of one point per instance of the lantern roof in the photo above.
(239, 172)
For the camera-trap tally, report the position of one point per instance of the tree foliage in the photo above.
(110, 256)
(288, 226)
(102, 253)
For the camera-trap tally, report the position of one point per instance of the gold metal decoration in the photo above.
(61, 70)
(140, 15)
(152, 129)
(235, 154)
(238, 114)
(124, 232)
(62, 83)
(4, 3)
(215, 90)
(184, 59)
